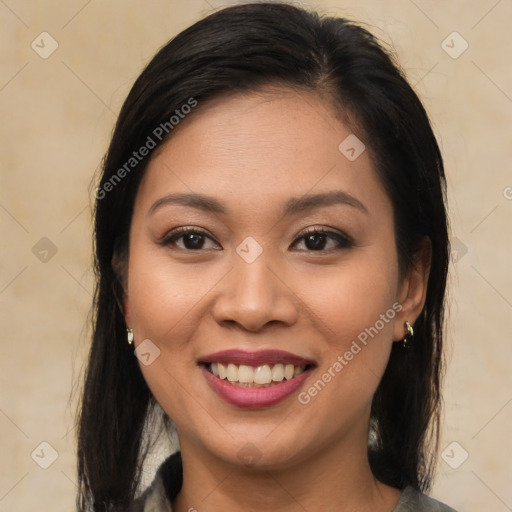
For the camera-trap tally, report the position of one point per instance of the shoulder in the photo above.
(413, 500)
(164, 488)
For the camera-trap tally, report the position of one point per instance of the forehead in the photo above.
(260, 149)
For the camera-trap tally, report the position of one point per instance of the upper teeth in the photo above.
(263, 374)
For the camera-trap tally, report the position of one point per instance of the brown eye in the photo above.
(192, 239)
(316, 240)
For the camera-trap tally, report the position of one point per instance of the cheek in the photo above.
(353, 298)
(166, 295)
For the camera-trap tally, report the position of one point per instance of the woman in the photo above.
(271, 253)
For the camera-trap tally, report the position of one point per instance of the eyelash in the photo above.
(344, 241)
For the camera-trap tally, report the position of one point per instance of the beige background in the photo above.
(57, 116)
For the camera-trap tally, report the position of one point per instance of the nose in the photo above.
(255, 294)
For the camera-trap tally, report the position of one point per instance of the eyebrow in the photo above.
(292, 206)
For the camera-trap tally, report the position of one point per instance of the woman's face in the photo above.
(252, 175)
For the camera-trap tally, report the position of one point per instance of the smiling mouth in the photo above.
(262, 376)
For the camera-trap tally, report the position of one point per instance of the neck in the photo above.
(338, 479)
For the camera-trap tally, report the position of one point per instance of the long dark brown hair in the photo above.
(240, 49)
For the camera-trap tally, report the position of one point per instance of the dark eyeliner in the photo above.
(171, 237)
(344, 241)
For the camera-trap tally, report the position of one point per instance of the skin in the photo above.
(252, 153)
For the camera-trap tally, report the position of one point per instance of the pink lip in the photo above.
(269, 357)
(254, 397)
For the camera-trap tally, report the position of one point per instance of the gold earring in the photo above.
(129, 335)
(410, 331)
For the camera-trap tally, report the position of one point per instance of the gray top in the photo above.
(158, 496)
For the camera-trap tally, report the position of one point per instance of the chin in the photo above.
(259, 450)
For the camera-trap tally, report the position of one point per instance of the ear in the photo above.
(413, 288)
